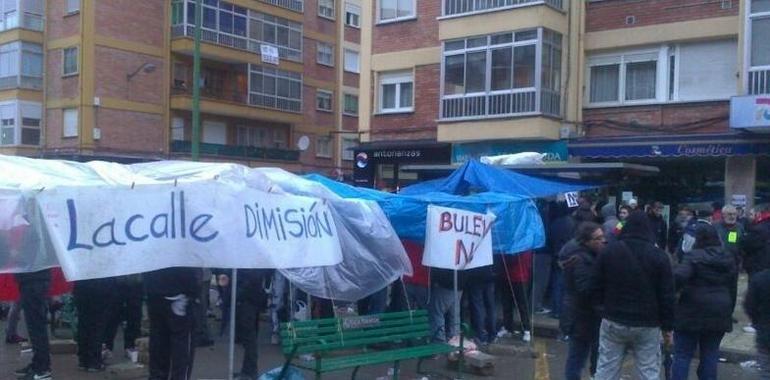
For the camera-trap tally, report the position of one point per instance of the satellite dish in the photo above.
(303, 143)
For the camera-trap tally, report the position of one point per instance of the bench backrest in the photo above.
(350, 332)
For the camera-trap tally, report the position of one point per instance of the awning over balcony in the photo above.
(696, 145)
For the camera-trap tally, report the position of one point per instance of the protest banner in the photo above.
(457, 239)
(108, 231)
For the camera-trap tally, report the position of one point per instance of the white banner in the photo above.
(108, 231)
(457, 239)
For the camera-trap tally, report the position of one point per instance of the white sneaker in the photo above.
(749, 329)
(503, 333)
(527, 336)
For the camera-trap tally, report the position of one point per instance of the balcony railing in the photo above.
(229, 96)
(759, 81)
(294, 5)
(462, 7)
(16, 81)
(29, 21)
(236, 42)
(517, 103)
(236, 151)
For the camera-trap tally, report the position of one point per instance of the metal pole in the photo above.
(231, 353)
(456, 308)
(196, 100)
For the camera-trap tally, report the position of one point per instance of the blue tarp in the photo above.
(518, 227)
(474, 176)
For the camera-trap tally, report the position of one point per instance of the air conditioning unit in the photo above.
(567, 132)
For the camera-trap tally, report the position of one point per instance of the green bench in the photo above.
(347, 342)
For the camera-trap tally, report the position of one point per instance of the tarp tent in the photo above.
(475, 176)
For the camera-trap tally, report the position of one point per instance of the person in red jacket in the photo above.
(514, 273)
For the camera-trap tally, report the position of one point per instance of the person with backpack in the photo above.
(707, 280)
(634, 284)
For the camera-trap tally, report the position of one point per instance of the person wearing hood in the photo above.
(657, 224)
(756, 242)
(634, 283)
(707, 279)
(611, 221)
(578, 258)
(684, 217)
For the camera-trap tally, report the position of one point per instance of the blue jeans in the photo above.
(579, 351)
(441, 314)
(685, 343)
(483, 311)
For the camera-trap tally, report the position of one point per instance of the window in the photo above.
(348, 144)
(395, 10)
(703, 70)
(458, 7)
(277, 31)
(323, 146)
(9, 15)
(352, 15)
(351, 105)
(275, 88)
(250, 136)
(181, 72)
(280, 138)
(351, 61)
(496, 74)
(758, 46)
(323, 100)
(8, 124)
(70, 121)
(70, 61)
(73, 6)
(21, 65)
(325, 54)
(625, 78)
(396, 92)
(20, 123)
(177, 129)
(326, 8)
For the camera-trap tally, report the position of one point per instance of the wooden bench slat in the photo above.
(354, 334)
(325, 322)
(332, 364)
(293, 332)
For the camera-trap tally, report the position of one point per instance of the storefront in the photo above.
(554, 151)
(694, 169)
(378, 164)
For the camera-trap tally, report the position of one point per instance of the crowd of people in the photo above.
(619, 281)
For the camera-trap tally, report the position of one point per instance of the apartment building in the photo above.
(646, 81)
(113, 80)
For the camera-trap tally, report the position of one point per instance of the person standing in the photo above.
(249, 302)
(12, 328)
(94, 300)
(172, 296)
(578, 258)
(33, 288)
(128, 298)
(611, 221)
(756, 242)
(657, 224)
(708, 280)
(441, 313)
(481, 296)
(634, 283)
(514, 274)
(757, 306)
(418, 283)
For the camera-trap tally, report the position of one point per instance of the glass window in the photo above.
(325, 54)
(454, 74)
(501, 69)
(326, 8)
(640, 80)
(323, 146)
(394, 10)
(476, 72)
(758, 6)
(323, 100)
(351, 105)
(70, 59)
(353, 15)
(605, 82)
(348, 145)
(760, 41)
(524, 66)
(70, 121)
(73, 6)
(351, 61)
(275, 88)
(396, 92)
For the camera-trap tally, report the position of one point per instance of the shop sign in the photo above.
(555, 151)
(750, 112)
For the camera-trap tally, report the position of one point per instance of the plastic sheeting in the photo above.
(372, 253)
(474, 176)
(518, 226)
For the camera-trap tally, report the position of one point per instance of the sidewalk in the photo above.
(737, 346)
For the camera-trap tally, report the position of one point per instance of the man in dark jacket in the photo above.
(636, 288)
(33, 288)
(578, 258)
(441, 304)
(172, 295)
(756, 242)
(657, 224)
(95, 301)
(757, 305)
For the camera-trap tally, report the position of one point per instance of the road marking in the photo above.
(541, 365)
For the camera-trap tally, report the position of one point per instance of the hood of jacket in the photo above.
(608, 211)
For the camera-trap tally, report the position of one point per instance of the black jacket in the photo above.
(635, 284)
(578, 299)
(756, 247)
(659, 233)
(707, 279)
(757, 301)
(445, 278)
(173, 281)
(251, 287)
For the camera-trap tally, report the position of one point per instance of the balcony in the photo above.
(235, 151)
(759, 81)
(16, 81)
(294, 5)
(469, 7)
(29, 21)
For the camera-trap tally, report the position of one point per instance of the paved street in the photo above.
(211, 363)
